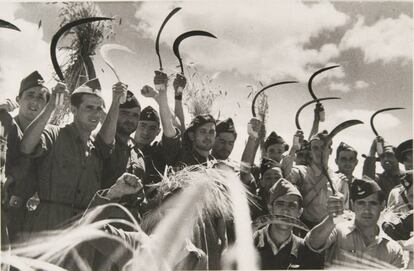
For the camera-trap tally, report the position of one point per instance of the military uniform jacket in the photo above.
(69, 175)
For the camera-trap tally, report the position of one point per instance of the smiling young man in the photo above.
(278, 247)
(361, 238)
(20, 169)
(70, 161)
(346, 160)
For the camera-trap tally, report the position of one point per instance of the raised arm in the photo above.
(179, 85)
(249, 152)
(108, 129)
(369, 166)
(33, 132)
(160, 82)
(316, 119)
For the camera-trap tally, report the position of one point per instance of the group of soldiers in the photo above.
(54, 174)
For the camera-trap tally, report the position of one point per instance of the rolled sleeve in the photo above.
(46, 142)
(104, 150)
(169, 147)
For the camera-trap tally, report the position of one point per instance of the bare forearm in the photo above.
(319, 235)
(108, 129)
(250, 150)
(179, 112)
(33, 132)
(165, 113)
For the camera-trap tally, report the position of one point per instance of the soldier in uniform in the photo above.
(278, 247)
(362, 238)
(225, 137)
(312, 182)
(390, 177)
(70, 161)
(124, 158)
(20, 170)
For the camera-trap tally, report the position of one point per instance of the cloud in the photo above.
(21, 52)
(383, 121)
(337, 86)
(387, 40)
(268, 41)
(361, 84)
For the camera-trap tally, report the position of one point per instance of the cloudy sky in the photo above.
(258, 41)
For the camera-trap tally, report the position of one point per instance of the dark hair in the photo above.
(380, 193)
(47, 94)
(76, 99)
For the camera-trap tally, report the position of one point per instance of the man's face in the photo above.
(275, 151)
(367, 210)
(147, 131)
(127, 120)
(203, 137)
(223, 145)
(408, 160)
(89, 112)
(388, 161)
(302, 157)
(287, 205)
(319, 150)
(270, 177)
(31, 102)
(346, 162)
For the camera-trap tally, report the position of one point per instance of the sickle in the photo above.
(308, 103)
(60, 32)
(106, 48)
(313, 76)
(5, 24)
(157, 41)
(334, 132)
(183, 36)
(263, 89)
(379, 111)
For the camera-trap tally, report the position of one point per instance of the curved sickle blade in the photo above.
(104, 51)
(183, 36)
(314, 75)
(380, 111)
(60, 32)
(342, 126)
(263, 89)
(5, 24)
(308, 103)
(157, 41)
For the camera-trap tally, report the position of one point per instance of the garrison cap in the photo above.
(402, 149)
(131, 101)
(281, 188)
(274, 138)
(92, 87)
(225, 126)
(345, 147)
(150, 114)
(362, 188)
(32, 80)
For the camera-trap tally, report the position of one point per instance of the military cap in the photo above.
(402, 149)
(131, 101)
(200, 120)
(274, 138)
(267, 164)
(345, 147)
(92, 87)
(32, 80)
(150, 114)
(362, 188)
(225, 126)
(281, 188)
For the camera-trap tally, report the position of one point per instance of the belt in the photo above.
(70, 205)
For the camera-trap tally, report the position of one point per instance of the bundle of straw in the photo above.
(201, 92)
(82, 42)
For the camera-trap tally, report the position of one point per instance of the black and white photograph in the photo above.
(206, 135)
